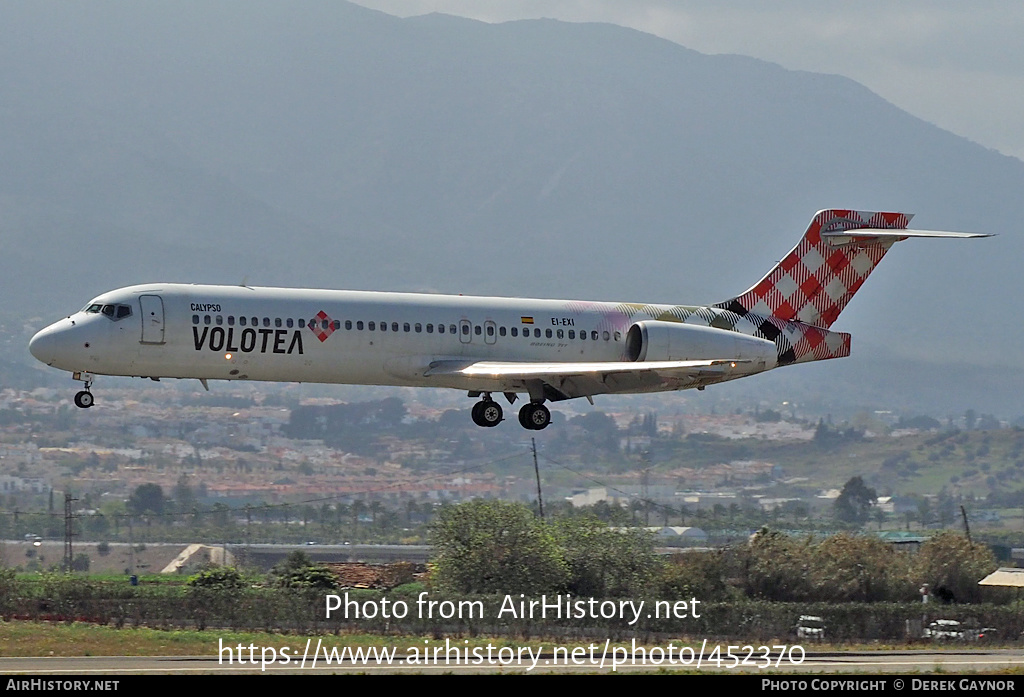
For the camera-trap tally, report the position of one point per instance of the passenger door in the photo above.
(152, 319)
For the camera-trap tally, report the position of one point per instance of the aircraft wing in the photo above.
(558, 381)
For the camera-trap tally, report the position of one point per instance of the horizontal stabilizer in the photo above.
(817, 279)
(900, 234)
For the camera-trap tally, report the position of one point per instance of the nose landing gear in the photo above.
(84, 398)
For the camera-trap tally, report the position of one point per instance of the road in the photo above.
(949, 663)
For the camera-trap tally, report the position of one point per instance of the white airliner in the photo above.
(548, 349)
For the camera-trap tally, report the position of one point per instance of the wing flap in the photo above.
(521, 369)
(570, 380)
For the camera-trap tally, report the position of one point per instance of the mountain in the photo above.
(325, 144)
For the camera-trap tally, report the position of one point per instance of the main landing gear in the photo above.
(84, 398)
(488, 413)
(534, 416)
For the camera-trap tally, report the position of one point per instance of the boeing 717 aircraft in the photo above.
(549, 350)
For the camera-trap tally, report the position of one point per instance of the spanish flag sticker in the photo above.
(527, 320)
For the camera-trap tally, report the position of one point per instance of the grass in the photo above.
(21, 639)
(52, 639)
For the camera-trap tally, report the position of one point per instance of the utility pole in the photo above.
(645, 491)
(248, 525)
(967, 528)
(536, 470)
(68, 532)
(131, 544)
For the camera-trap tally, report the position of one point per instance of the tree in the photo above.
(147, 498)
(855, 501)
(858, 568)
(777, 566)
(970, 418)
(952, 567)
(495, 547)
(696, 575)
(221, 515)
(184, 495)
(604, 562)
(924, 511)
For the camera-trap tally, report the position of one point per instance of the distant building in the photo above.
(770, 504)
(596, 495)
(677, 533)
(10, 484)
(904, 541)
(1004, 577)
(706, 499)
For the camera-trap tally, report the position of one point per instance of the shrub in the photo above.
(218, 578)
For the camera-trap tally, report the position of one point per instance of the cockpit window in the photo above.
(114, 311)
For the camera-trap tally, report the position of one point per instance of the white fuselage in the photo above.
(369, 338)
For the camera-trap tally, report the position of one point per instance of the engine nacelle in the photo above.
(653, 340)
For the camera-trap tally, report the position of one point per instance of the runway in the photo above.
(949, 663)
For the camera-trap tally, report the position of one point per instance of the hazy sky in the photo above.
(958, 65)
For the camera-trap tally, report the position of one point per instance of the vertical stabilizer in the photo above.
(816, 280)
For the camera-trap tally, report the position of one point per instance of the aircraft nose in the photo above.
(44, 345)
(53, 345)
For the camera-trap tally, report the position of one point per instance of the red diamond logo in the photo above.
(322, 325)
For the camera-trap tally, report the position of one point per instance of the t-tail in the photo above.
(803, 295)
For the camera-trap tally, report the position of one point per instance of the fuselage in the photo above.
(354, 337)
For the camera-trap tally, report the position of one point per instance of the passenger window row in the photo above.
(252, 321)
(360, 325)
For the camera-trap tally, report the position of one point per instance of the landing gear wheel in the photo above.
(491, 414)
(524, 417)
(84, 399)
(534, 417)
(487, 413)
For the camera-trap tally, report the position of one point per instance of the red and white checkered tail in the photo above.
(817, 279)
